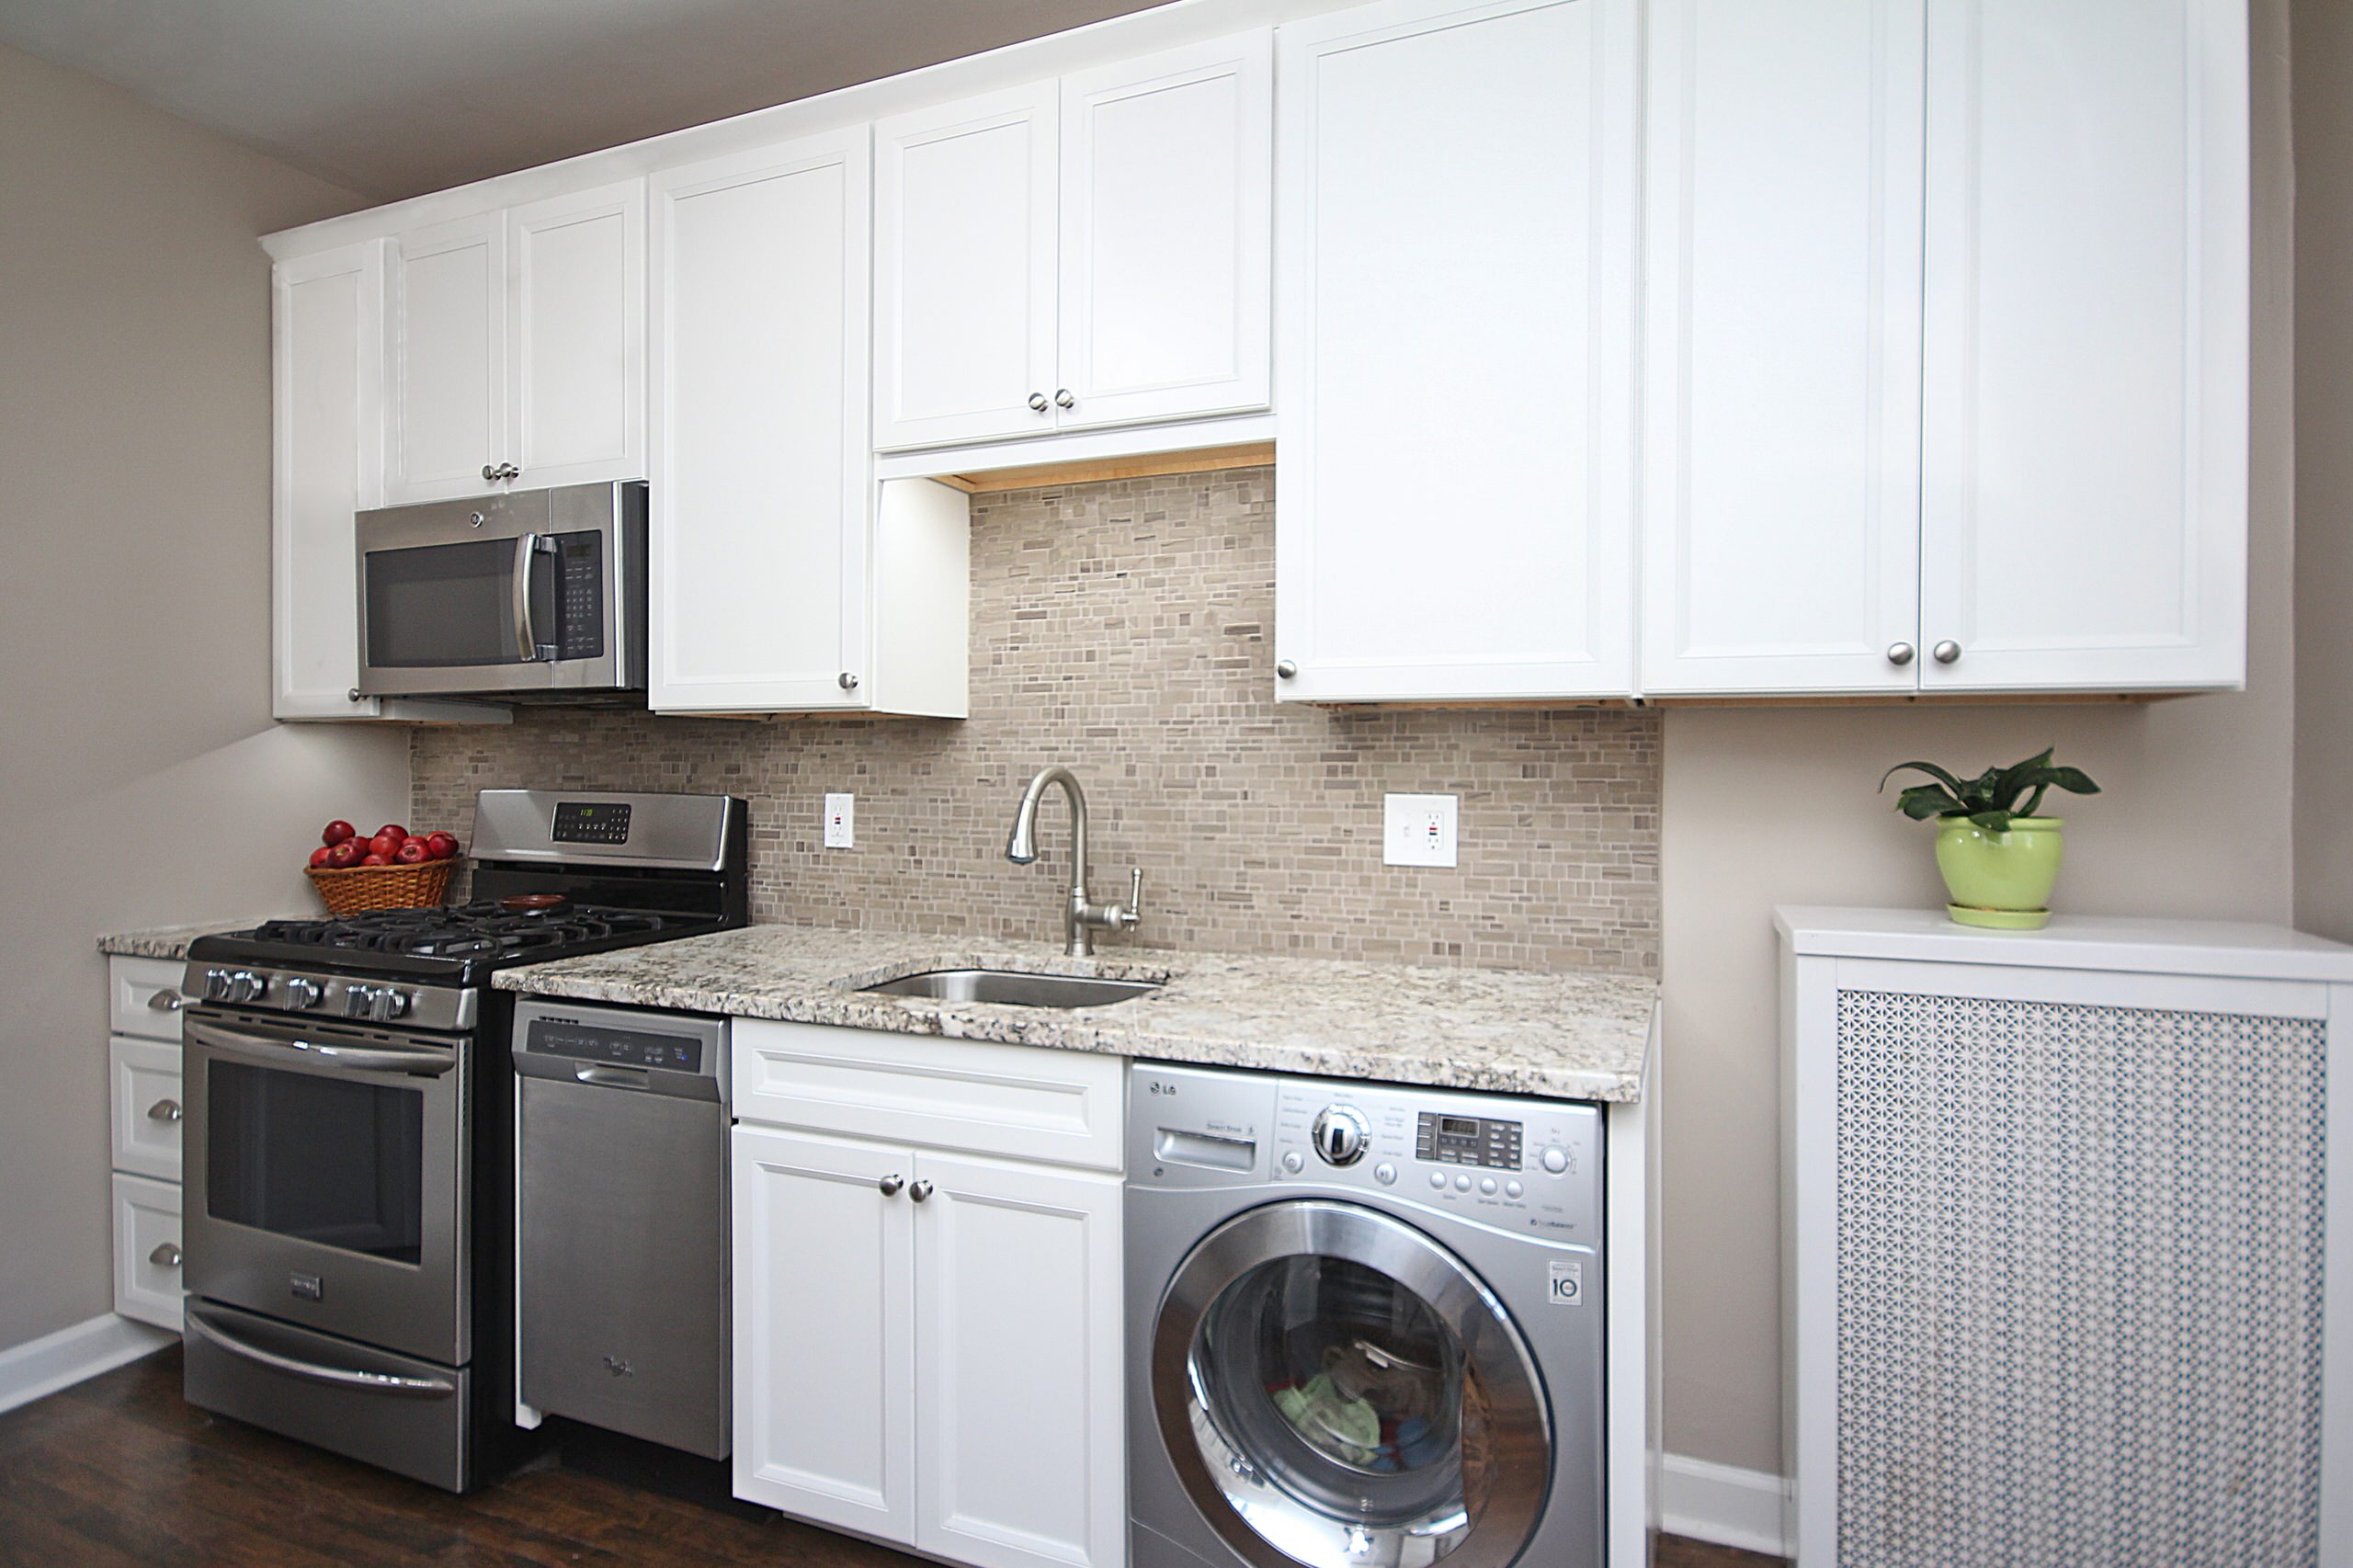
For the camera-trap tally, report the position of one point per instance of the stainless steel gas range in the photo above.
(350, 1190)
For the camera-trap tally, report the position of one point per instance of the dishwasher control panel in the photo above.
(621, 1048)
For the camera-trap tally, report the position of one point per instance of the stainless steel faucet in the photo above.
(1081, 918)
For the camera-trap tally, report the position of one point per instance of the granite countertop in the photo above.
(1565, 1035)
(168, 941)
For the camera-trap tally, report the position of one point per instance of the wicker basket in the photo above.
(358, 889)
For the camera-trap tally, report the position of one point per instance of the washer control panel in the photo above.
(1525, 1164)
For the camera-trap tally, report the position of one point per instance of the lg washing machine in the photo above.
(1365, 1326)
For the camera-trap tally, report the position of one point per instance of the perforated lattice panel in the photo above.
(2079, 1286)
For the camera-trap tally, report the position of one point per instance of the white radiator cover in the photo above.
(2056, 1224)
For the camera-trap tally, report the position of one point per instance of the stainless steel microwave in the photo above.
(536, 594)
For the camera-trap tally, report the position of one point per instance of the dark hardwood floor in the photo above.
(119, 1472)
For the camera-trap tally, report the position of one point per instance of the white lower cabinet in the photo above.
(928, 1343)
(144, 1091)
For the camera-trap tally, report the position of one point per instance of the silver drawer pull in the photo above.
(164, 1110)
(166, 1001)
(345, 1377)
(166, 1256)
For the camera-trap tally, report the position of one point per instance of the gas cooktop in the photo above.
(484, 930)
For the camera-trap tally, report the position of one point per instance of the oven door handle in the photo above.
(419, 1062)
(526, 637)
(341, 1376)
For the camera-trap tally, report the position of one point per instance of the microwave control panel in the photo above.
(580, 587)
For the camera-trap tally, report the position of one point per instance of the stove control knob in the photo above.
(358, 1000)
(216, 985)
(246, 986)
(302, 992)
(389, 1004)
(1340, 1134)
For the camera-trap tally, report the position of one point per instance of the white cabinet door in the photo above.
(761, 490)
(147, 1251)
(1781, 352)
(2084, 477)
(575, 333)
(326, 462)
(146, 1102)
(964, 232)
(1456, 248)
(1020, 1446)
(823, 1297)
(1166, 201)
(448, 375)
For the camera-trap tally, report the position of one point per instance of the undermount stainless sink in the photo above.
(1020, 990)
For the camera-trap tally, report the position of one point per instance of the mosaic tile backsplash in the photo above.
(1122, 628)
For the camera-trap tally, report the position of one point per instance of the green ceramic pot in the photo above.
(2000, 879)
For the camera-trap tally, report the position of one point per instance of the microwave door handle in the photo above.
(526, 642)
(360, 1059)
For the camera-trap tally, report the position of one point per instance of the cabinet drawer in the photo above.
(144, 1087)
(142, 996)
(147, 1250)
(1023, 1102)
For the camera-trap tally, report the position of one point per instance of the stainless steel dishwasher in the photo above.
(621, 1243)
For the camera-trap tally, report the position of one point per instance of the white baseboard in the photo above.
(1721, 1504)
(40, 1367)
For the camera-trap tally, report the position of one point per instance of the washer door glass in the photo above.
(1338, 1390)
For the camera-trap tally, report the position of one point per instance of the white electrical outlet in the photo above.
(841, 822)
(1417, 829)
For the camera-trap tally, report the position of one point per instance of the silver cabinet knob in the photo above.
(489, 472)
(164, 1110)
(1038, 402)
(1946, 652)
(352, 696)
(1285, 668)
(921, 1190)
(1899, 653)
(166, 1001)
(892, 1184)
(166, 1256)
(501, 470)
(1063, 398)
(847, 681)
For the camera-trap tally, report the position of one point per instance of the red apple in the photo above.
(414, 852)
(442, 844)
(393, 828)
(336, 832)
(319, 856)
(344, 856)
(387, 844)
(375, 859)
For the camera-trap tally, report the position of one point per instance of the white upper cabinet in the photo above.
(1167, 200)
(1455, 258)
(782, 580)
(326, 463)
(576, 337)
(517, 349)
(446, 408)
(1781, 347)
(1074, 254)
(964, 271)
(2085, 472)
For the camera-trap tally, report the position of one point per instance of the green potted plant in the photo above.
(1999, 859)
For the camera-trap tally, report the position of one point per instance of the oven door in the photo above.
(326, 1175)
(535, 591)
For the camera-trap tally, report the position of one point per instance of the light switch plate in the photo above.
(1418, 830)
(841, 822)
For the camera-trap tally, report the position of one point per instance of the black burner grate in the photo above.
(469, 930)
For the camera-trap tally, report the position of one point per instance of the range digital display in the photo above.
(591, 822)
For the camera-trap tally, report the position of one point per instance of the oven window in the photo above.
(315, 1159)
(451, 604)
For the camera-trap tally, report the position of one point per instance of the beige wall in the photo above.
(142, 781)
(2323, 100)
(1770, 806)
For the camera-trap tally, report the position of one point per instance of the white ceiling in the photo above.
(395, 97)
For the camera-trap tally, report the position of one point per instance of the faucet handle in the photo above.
(1129, 916)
